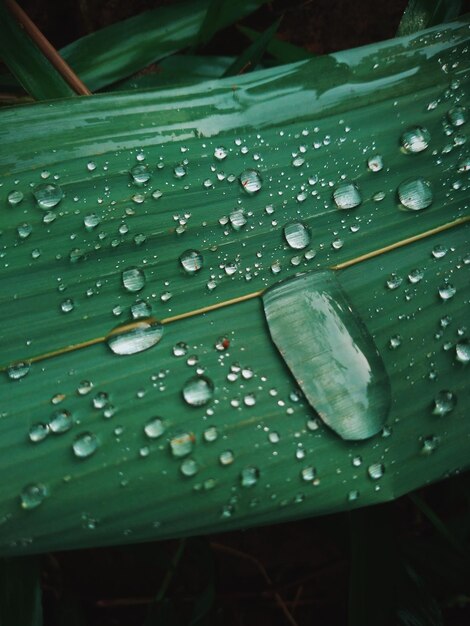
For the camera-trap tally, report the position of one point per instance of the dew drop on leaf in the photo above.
(48, 196)
(308, 474)
(15, 197)
(85, 445)
(133, 279)
(198, 390)
(140, 336)
(430, 445)
(61, 422)
(220, 153)
(462, 351)
(415, 194)
(140, 174)
(444, 403)
(226, 457)
(191, 261)
(376, 471)
(415, 139)
(189, 467)
(457, 116)
(447, 291)
(375, 163)
(182, 444)
(33, 495)
(154, 428)
(38, 432)
(249, 476)
(297, 235)
(16, 371)
(347, 196)
(250, 181)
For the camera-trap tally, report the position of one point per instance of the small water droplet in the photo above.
(191, 261)
(84, 387)
(444, 403)
(308, 474)
(133, 279)
(24, 230)
(249, 399)
(91, 166)
(415, 276)
(180, 171)
(462, 351)
(182, 444)
(198, 390)
(67, 305)
(15, 197)
(210, 434)
(376, 471)
(154, 428)
(38, 432)
(457, 116)
(140, 174)
(395, 342)
(180, 349)
(220, 153)
(347, 196)
(353, 495)
(375, 163)
(189, 467)
(141, 310)
(238, 219)
(140, 336)
(439, 251)
(91, 221)
(250, 181)
(226, 457)
(48, 196)
(415, 139)
(33, 495)
(447, 291)
(249, 476)
(394, 281)
(297, 235)
(61, 422)
(85, 445)
(298, 161)
(16, 371)
(430, 445)
(415, 194)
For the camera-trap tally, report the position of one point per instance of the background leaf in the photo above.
(420, 14)
(20, 592)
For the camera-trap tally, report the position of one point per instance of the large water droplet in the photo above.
(220, 153)
(15, 197)
(135, 337)
(48, 196)
(447, 291)
(38, 432)
(182, 444)
(226, 457)
(154, 428)
(444, 403)
(198, 390)
(85, 445)
(251, 181)
(415, 194)
(191, 261)
(61, 422)
(376, 471)
(33, 495)
(457, 116)
(140, 174)
(415, 139)
(462, 351)
(375, 163)
(16, 371)
(133, 279)
(189, 467)
(330, 353)
(297, 235)
(347, 196)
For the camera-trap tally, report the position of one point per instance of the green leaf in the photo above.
(283, 51)
(62, 284)
(420, 14)
(252, 55)
(21, 55)
(20, 592)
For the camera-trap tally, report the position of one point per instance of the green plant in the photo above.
(123, 212)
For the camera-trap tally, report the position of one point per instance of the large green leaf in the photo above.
(307, 129)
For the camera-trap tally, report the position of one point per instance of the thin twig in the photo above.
(48, 49)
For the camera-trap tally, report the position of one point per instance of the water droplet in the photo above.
(447, 291)
(297, 235)
(220, 153)
(337, 244)
(415, 276)
(48, 196)
(182, 444)
(133, 279)
(84, 387)
(91, 166)
(15, 197)
(249, 476)
(210, 434)
(67, 305)
(457, 116)
(379, 196)
(347, 196)
(154, 428)
(415, 194)
(376, 471)
(439, 251)
(353, 495)
(198, 390)
(274, 437)
(444, 403)
(189, 467)
(38, 432)
(430, 445)
(298, 161)
(415, 139)
(394, 281)
(375, 163)
(191, 261)
(16, 371)
(238, 219)
(249, 399)
(180, 171)
(100, 400)
(308, 474)
(61, 422)
(85, 445)
(330, 353)
(247, 373)
(91, 221)
(357, 461)
(141, 310)
(33, 495)
(140, 174)
(24, 230)
(251, 181)
(462, 351)
(226, 457)
(395, 342)
(140, 336)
